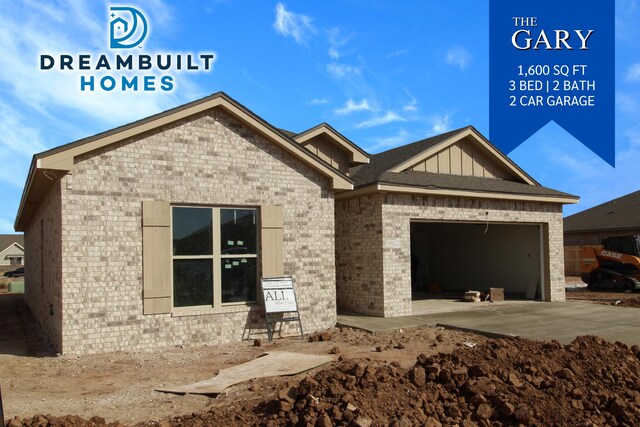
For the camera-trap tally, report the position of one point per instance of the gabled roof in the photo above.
(622, 213)
(357, 154)
(389, 171)
(46, 166)
(400, 158)
(7, 240)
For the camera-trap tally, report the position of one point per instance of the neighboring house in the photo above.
(617, 217)
(11, 250)
(156, 233)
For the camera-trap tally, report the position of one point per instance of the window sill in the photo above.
(204, 311)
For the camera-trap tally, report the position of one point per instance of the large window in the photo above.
(214, 256)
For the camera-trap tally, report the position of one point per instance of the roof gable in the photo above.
(14, 244)
(464, 152)
(426, 167)
(8, 240)
(356, 154)
(463, 157)
(45, 167)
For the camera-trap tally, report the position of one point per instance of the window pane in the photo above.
(192, 282)
(238, 279)
(192, 231)
(238, 231)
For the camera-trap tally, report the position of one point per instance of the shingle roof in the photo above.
(288, 133)
(620, 213)
(378, 171)
(382, 162)
(466, 183)
(7, 240)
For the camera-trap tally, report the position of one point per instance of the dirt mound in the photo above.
(509, 381)
(500, 382)
(66, 421)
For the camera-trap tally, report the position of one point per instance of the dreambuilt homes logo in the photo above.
(123, 33)
(124, 68)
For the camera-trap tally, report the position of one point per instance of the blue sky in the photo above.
(383, 73)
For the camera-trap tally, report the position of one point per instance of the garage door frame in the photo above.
(542, 243)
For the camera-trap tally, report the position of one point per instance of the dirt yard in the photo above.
(120, 386)
(422, 376)
(576, 290)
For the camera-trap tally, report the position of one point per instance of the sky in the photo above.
(383, 73)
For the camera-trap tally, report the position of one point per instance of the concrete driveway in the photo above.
(562, 321)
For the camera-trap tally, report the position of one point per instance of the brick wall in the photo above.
(391, 214)
(359, 255)
(211, 159)
(43, 258)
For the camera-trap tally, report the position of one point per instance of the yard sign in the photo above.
(279, 297)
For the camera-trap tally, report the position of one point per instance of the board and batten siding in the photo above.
(328, 151)
(461, 158)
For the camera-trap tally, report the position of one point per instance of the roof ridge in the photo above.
(413, 144)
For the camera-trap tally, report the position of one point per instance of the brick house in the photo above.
(11, 251)
(156, 233)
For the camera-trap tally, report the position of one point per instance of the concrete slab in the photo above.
(562, 321)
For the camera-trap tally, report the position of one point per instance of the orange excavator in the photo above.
(614, 266)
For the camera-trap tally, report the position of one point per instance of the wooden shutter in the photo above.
(156, 257)
(272, 243)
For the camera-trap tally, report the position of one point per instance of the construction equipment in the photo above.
(614, 266)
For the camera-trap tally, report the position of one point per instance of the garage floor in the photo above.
(562, 321)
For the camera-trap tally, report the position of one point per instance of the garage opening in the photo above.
(448, 259)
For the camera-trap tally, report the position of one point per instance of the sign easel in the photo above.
(279, 297)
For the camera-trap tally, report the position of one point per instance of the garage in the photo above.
(450, 258)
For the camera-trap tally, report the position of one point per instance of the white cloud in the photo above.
(341, 71)
(18, 143)
(627, 103)
(633, 74)
(401, 138)
(318, 101)
(389, 117)
(6, 226)
(412, 105)
(440, 123)
(351, 107)
(336, 42)
(33, 99)
(398, 52)
(23, 40)
(293, 24)
(458, 56)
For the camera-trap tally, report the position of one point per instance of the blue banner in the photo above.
(552, 60)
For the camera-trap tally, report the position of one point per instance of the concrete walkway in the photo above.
(562, 321)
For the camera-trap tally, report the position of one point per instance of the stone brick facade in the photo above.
(210, 159)
(359, 255)
(388, 217)
(43, 257)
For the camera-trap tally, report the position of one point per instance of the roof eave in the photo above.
(477, 194)
(62, 158)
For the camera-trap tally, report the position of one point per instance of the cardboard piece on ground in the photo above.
(275, 363)
(496, 294)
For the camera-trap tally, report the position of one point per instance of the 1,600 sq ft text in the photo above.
(556, 70)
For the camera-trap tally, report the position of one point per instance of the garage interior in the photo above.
(448, 259)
